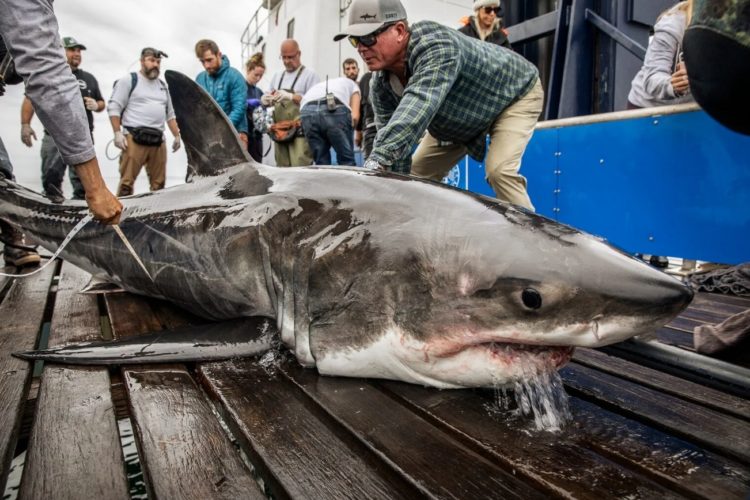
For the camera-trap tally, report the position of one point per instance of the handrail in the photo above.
(619, 115)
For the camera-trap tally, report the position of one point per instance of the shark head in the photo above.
(485, 294)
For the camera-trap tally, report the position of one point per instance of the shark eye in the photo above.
(531, 298)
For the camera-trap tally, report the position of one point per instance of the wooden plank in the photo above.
(130, 315)
(555, 460)
(422, 452)
(684, 324)
(664, 382)
(688, 469)
(75, 430)
(674, 337)
(22, 313)
(727, 299)
(703, 316)
(708, 428)
(299, 451)
(599, 454)
(705, 302)
(184, 451)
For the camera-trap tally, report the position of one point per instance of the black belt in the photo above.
(324, 102)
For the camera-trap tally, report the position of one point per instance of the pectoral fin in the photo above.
(212, 342)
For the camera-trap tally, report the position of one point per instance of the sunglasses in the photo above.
(490, 10)
(371, 39)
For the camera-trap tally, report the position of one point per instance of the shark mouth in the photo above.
(507, 353)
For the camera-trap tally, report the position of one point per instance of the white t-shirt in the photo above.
(343, 88)
(284, 79)
(148, 106)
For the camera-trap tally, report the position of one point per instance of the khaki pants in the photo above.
(293, 154)
(509, 135)
(135, 157)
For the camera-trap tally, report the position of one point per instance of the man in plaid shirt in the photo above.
(433, 78)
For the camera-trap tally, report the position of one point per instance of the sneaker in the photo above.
(20, 257)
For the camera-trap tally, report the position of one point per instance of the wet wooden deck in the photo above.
(240, 429)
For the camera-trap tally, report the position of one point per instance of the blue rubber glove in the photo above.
(253, 103)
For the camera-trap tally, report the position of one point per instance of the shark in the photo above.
(358, 273)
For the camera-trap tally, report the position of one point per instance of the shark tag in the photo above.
(62, 246)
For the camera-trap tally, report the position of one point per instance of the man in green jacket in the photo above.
(433, 79)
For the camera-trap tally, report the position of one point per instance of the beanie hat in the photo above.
(478, 4)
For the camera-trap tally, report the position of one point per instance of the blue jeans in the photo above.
(326, 129)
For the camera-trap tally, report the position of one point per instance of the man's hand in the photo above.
(267, 100)
(27, 133)
(358, 138)
(121, 141)
(91, 104)
(372, 164)
(243, 138)
(176, 143)
(282, 95)
(104, 206)
(102, 203)
(680, 83)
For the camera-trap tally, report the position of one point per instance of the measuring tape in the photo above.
(62, 246)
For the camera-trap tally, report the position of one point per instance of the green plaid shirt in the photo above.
(456, 88)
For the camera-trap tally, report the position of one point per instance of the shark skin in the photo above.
(363, 273)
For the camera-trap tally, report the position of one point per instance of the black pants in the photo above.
(255, 146)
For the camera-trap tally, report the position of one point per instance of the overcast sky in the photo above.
(114, 34)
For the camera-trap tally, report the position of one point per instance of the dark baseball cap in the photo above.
(150, 51)
(366, 16)
(71, 43)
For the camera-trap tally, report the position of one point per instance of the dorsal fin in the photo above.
(211, 142)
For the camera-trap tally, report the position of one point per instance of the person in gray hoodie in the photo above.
(663, 77)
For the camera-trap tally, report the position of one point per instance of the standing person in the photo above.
(140, 104)
(366, 129)
(255, 68)
(351, 69)
(224, 83)
(433, 78)
(30, 30)
(15, 250)
(286, 92)
(663, 78)
(330, 111)
(53, 166)
(486, 23)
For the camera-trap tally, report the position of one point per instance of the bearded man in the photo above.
(138, 108)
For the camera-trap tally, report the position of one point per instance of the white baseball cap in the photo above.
(366, 16)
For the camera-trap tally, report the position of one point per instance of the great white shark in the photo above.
(360, 273)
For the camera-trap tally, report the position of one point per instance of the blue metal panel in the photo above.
(671, 185)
